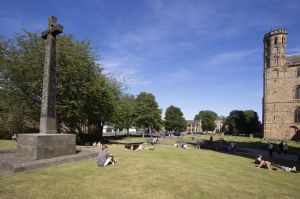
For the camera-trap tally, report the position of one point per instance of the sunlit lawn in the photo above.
(7, 144)
(166, 172)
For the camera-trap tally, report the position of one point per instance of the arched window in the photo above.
(283, 40)
(276, 40)
(297, 115)
(297, 92)
(298, 72)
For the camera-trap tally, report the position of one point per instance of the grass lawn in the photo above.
(166, 172)
(7, 144)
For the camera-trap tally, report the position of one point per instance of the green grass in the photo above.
(242, 141)
(7, 144)
(166, 172)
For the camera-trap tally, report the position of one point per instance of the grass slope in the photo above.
(165, 172)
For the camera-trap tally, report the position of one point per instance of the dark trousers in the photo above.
(270, 152)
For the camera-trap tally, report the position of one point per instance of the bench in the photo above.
(132, 145)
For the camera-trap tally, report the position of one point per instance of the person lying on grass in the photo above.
(104, 158)
(262, 162)
(284, 168)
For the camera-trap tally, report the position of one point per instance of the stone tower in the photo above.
(281, 82)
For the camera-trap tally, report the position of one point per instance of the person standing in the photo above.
(285, 148)
(270, 147)
(280, 147)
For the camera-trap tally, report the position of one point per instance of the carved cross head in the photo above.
(53, 28)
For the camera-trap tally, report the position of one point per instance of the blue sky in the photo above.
(194, 54)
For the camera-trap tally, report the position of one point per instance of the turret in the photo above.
(275, 48)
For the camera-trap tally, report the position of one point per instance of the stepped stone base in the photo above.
(11, 164)
(44, 146)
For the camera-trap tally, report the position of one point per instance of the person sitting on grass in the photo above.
(104, 158)
(14, 138)
(262, 162)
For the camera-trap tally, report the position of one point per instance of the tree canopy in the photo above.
(207, 119)
(242, 122)
(147, 112)
(174, 120)
(85, 97)
(124, 113)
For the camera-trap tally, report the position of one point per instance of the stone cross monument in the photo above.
(47, 143)
(48, 109)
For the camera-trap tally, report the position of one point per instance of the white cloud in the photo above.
(232, 56)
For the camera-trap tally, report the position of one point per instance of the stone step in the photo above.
(12, 163)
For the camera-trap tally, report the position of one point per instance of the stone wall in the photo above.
(280, 82)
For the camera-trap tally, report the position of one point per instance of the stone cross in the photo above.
(48, 107)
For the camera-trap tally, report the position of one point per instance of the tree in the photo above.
(124, 114)
(85, 97)
(174, 120)
(242, 122)
(235, 122)
(147, 113)
(208, 119)
(100, 103)
(252, 122)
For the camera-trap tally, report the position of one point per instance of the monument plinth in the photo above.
(48, 143)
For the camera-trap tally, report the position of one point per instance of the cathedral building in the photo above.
(281, 99)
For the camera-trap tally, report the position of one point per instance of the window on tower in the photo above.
(298, 72)
(297, 92)
(275, 41)
(297, 115)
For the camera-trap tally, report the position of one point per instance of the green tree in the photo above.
(235, 122)
(124, 114)
(100, 103)
(174, 120)
(242, 122)
(85, 97)
(208, 119)
(147, 113)
(252, 122)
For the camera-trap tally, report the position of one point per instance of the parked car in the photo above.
(177, 134)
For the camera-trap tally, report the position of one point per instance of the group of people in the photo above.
(97, 144)
(283, 148)
(261, 161)
(181, 145)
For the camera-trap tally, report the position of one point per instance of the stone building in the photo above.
(193, 126)
(281, 99)
(219, 124)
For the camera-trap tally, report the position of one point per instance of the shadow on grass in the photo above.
(245, 149)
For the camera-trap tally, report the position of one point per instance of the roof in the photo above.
(293, 58)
